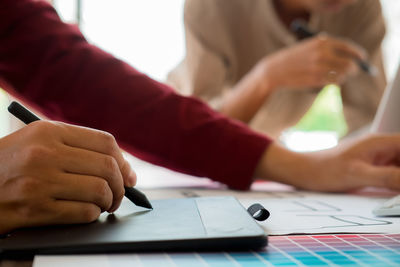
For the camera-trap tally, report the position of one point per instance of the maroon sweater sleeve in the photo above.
(49, 65)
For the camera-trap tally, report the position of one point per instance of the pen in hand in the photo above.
(26, 116)
(300, 28)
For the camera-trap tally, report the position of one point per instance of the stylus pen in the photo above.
(22, 113)
(301, 29)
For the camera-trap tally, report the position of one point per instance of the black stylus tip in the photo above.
(137, 197)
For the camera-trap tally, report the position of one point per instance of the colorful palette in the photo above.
(307, 250)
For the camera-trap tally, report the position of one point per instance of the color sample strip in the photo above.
(308, 250)
(305, 250)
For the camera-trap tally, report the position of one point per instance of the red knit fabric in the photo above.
(49, 65)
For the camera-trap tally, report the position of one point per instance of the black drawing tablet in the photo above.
(209, 223)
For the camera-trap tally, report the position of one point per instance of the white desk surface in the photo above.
(159, 183)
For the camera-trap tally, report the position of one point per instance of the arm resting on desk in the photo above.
(371, 161)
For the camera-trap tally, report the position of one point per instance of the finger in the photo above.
(64, 212)
(98, 141)
(347, 48)
(91, 139)
(82, 188)
(80, 161)
(74, 212)
(382, 176)
(340, 64)
(128, 174)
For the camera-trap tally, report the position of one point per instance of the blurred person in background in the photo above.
(244, 60)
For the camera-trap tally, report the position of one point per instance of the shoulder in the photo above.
(361, 21)
(362, 10)
(208, 12)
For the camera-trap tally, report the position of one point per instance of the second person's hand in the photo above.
(313, 63)
(371, 161)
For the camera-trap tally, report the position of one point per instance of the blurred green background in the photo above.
(326, 113)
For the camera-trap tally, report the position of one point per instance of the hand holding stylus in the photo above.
(58, 173)
(313, 63)
(302, 30)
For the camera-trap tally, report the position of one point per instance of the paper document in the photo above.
(323, 213)
(300, 212)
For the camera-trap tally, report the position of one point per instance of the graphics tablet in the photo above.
(211, 223)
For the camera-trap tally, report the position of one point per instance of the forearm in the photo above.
(350, 166)
(248, 95)
(317, 171)
(70, 80)
(284, 166)
(361, 95)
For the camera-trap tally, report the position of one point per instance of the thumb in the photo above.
(128, 174)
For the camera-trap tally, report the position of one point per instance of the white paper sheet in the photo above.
(298, 212)
(324, 213)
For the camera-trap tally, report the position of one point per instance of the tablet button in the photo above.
(258, 212)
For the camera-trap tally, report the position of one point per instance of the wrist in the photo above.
(269, 77)
(281, 165)
(265, 77)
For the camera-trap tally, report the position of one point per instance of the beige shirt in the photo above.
(226, 38)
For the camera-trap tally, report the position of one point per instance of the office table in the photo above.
(292, 250)
(309, 250)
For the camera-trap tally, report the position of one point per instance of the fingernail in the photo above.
(131, 179)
